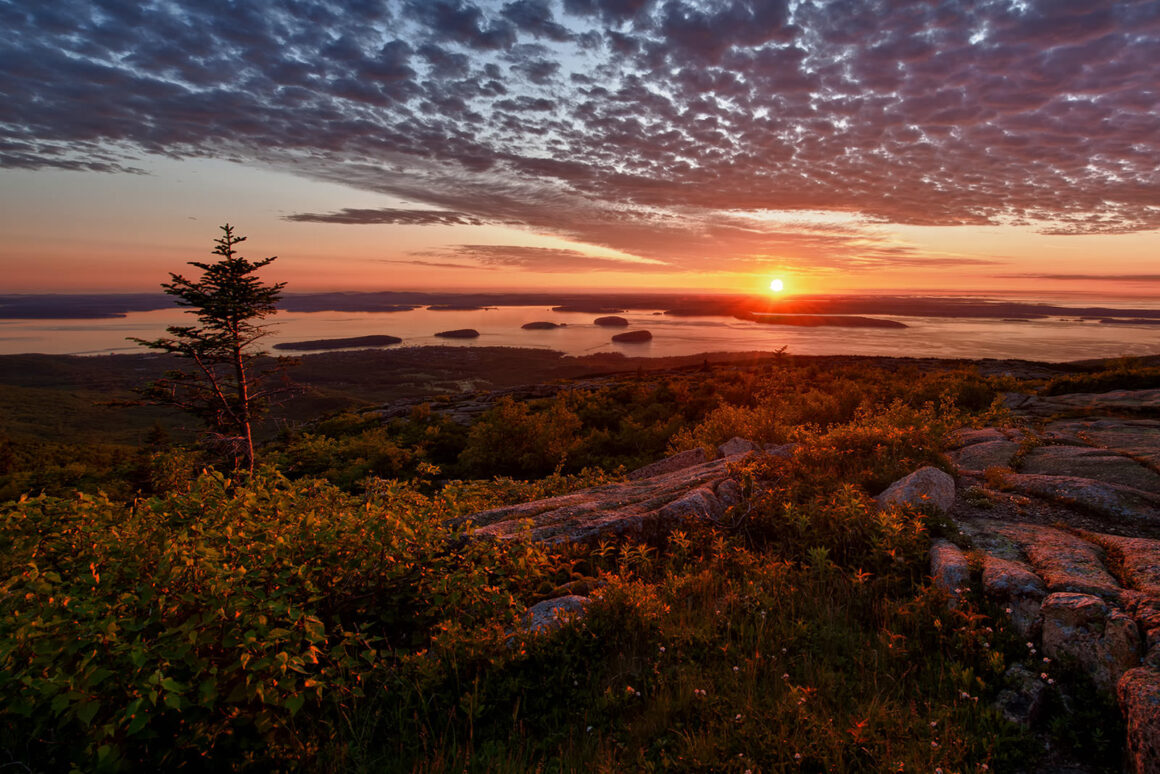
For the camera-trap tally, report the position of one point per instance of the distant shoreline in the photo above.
(106, 306)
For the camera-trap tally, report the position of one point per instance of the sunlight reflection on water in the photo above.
(1052, 339)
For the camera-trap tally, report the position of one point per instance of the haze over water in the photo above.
(1052, 339)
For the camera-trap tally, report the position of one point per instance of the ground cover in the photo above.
(328, 614)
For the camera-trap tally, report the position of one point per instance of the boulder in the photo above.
(1022, 701)
(1138, 559)
(735, 446)
(644, 509)
(1087, 631)
(632, 337)
(1139, 694)
(969, 436)
(612, 321)
(949, 570)
(1094, 403)
(1064, 561)
(1111, 501)
(1139, 438)
(729, 493)
(1145, 608)
(699, 503)
(1085, 462)
(784, 450)
(685, 459)
(1020, 590)
(925, 486)
(981, 456)
(551, 614)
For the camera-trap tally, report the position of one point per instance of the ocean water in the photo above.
(1054, 339)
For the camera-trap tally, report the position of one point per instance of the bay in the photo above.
(1053, 339)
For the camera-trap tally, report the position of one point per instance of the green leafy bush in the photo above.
(203, 624)
(513, 439)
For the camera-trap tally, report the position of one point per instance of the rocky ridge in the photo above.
(1058, 520)
(1061, 512)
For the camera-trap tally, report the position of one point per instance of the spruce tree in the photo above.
(225, 384)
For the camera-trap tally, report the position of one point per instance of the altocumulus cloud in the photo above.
(647, 126)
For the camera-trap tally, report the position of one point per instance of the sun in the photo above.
(776, 285)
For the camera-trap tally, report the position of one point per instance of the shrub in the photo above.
(221, 624)
(513, 439)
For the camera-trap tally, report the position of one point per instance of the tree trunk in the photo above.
(243, 407)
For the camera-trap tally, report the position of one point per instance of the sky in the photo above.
(844, 146)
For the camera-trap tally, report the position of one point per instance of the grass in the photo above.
(296, 622)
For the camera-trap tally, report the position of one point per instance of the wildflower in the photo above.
(1007, 610)
(933, 744)
(784, 651)
(662, 648)
(933, 723)
(736, 669)
(588, 730)
(1042, 675)
(785, 676)
(738, 718)
(1051, 681)
(987, 645)
(1046, 660)
(797, 756)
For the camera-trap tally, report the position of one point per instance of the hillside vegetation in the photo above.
(157, 614)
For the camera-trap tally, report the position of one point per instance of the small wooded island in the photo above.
(820, 320)
(459, 333)
(632, 337)
(350, 342)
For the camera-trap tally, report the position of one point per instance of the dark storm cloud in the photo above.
(661, 129)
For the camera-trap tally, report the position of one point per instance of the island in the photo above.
(632, 337)
(351, 342)
(461, 333)
(592, 307)
(1129, 321)
(820, 320)
(611, 322)
(542, 326)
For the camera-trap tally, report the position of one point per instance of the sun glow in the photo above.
(776, 285)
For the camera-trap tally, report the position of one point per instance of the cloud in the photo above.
(544, 259)
(1090, 277)
(442, 265)
(650, 127)
(359, 217)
